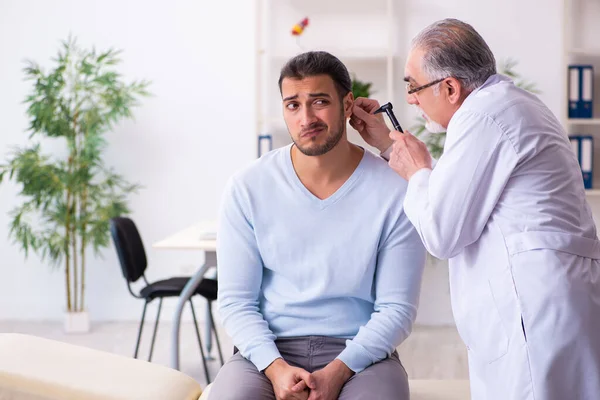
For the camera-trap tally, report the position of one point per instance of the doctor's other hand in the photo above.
(409, 154)
(371, 126)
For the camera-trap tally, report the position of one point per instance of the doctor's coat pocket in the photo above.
(486, 335)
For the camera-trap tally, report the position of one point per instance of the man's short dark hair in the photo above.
(315, 63)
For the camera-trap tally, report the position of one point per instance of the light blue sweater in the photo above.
(290, 264)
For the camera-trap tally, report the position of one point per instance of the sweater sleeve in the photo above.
(399, 271)
(240, 278)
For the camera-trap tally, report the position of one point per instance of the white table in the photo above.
(200, 236)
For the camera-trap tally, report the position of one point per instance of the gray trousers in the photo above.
(239, 379)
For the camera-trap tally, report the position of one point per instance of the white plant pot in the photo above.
(77, 322)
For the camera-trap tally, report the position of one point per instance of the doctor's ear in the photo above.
(454, 90)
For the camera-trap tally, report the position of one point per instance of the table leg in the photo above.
(208, 327)
(188, 291)
(212, 274)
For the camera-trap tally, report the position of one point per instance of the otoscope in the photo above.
(387, 107)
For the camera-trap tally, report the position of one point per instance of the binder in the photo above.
(581, 91)
(265, 144)
(587, 91)
(575, 146)
(583, 147)
(587, 160)
(574, 92)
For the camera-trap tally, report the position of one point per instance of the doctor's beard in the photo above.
(430, 125)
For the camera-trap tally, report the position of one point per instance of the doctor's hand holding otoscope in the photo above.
(408, 154)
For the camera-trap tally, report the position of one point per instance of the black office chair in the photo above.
(132, 258)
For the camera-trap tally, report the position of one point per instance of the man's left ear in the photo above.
(348, 103)
(453, 90)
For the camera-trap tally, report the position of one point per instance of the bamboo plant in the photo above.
(69, 193)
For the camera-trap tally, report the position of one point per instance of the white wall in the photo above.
(185, 142)
(200, 57)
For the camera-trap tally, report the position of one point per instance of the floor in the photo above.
(430, 352)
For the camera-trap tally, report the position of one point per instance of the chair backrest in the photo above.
(130, 248)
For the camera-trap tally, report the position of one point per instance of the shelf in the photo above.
(583, 121)
(272, 120)
(585, 52)
(346, 55)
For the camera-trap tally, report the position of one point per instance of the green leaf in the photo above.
(64, 184)
(361, 89)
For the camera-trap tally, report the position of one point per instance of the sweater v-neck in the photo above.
(308, 195)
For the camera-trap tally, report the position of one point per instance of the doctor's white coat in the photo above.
(506, 205)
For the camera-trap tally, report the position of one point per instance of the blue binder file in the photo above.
(573, 91)
(265, 144)
(583, 147)
(587, 160)
(581, 91)
(587, 91)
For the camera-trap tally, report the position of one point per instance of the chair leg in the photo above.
(214, 328)
(137, 345)
(155, 329)
(200, 342)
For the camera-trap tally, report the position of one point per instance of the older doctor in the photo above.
(506, 205)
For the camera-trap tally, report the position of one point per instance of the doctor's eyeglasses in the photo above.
(411, 90)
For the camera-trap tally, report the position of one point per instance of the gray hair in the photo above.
(453, 48)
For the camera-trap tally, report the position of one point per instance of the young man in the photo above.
(319, 268)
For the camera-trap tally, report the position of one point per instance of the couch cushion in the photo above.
(33, 368)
